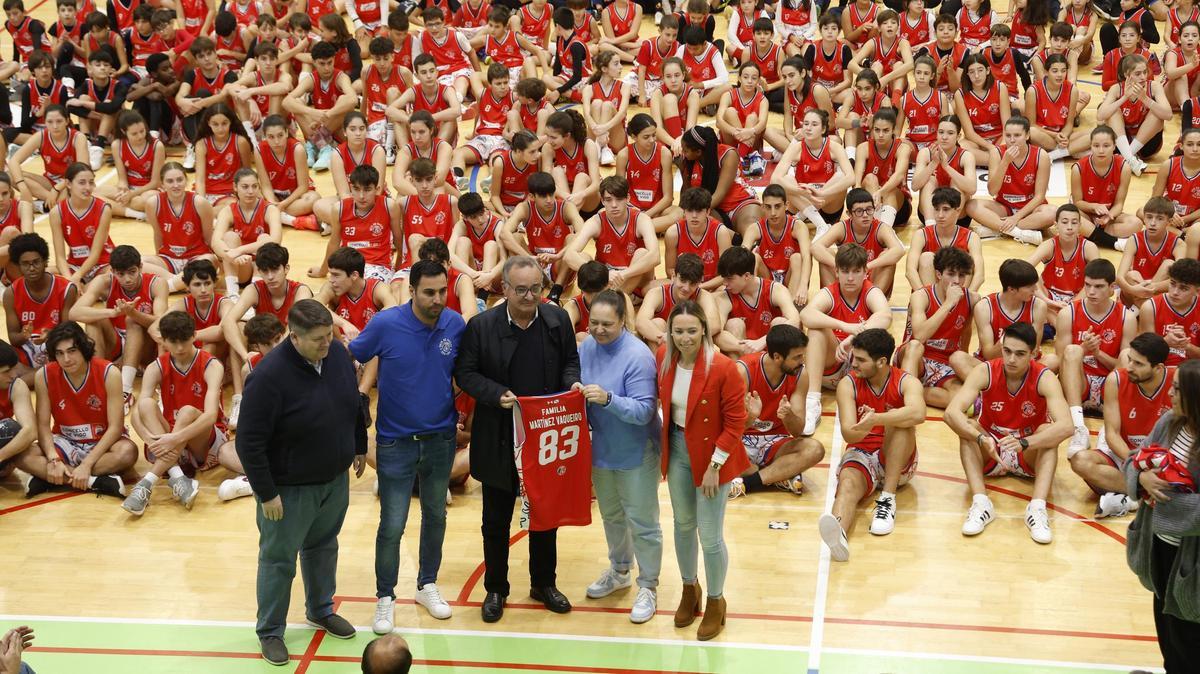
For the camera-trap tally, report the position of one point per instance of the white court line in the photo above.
(822, 591)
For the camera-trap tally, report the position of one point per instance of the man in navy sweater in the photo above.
(302, 426)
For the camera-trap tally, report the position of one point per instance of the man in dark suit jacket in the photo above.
(518, 348)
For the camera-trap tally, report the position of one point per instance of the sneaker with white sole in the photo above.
(109, 485)
(978, 517)
(1137, 166)
(606, 156)
(835, 537)
(1079, 441)
(755, 165)
(645, 605)
(235, 410)
(1029, 236)
(189, 158)
(1113, 504)
(138, 499)
(324, 157)
(884, 521)
(795, 485)
(609, 582)
(95, 156)
(462, 182)
(737, 488)
(431, 598)
(389, 154)
(185, 489)
(812, 416)
(385, 616)
(449, 497)
(234, 488)
(1038, 522)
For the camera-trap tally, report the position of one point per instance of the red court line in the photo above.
(34, 504)
(473, 579)
(314, 643)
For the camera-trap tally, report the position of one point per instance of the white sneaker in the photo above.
(1079, 441)
(189, 158)
(644, 606)
(609, 582)
(385, 618)
(1113, 504)
(606, 156)
(977, 519)
(812, 416)
(431, 598)
(1029, 236)
(984, 233)
(449, 497)
(1119, 245)
(234, 488)
(737, 488)
(658, 18)
(235, 410)
(1137, 166)
(39, 206)
(375, 488)
(835, 537)
(95, 156)
(1039, 524)
(884, 521)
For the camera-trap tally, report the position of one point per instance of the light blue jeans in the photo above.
(696, 513)
(628, 501)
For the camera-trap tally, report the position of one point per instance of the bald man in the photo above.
(388, 654)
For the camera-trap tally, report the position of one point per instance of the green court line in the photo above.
(178, 649)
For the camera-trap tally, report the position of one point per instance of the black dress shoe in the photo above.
(493, 607)
(551, 598)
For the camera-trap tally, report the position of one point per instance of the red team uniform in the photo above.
(1000, 319)
(138, 167)
(777, 254)
(39, 314)
(644, 176)
(80, 414)
(1189, 320)
(1141, 411)
(1019, 180)
(431, 221)
(921, 117)
(182, 234)
(984, 113)
(358, 311)
(615, 248)
(1017, 414)
(1147, 259)
(79, 230)
(1183, 189)
(250, 227)
(944, 341)
(369, 233)
(1110, 329)
(180, 388)
(707, 248)
(1063, 274)
(553, 451)
(757, 316)
(763, 439)
(266, 304)
(866, 455)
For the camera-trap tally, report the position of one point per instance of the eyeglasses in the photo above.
(863, 211)
(527, 291)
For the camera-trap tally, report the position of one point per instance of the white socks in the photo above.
(1037, 504)
(1077, 415)
(231, 285)
(982, 501)
(1124, 148)
(1136, 145)
(128, 374)
(814, 216)
(1059, 153)
(286, 218)
(887, 215)
(136, 215)
(250, 131)
(174, 471)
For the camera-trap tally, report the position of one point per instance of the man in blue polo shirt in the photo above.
(416, 344)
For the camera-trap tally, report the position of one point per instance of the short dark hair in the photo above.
(263, 329)
(1023, 332)
(541, 184)
(593, 276)
(177, 326)
(271, 256)
(1186, 271)
(434, 249)
(101, 55)
(323, 50)
(422, 269)
(8, 355)
(783, 339)
(850, 257)
(858, 196)
(877, 342)
(1151, 345)
(364, 175)
(422, 168)
(735, 261)
(617, 186)
(381, 46)
(307, 314)
(1101, 269)
(1015, 273)
(689, 267)
(470, 204)
(199, 269)
(124, 257)
(946, 196)
(225, 23)
(695, 199)
(953, 259)
(348, 260)
(70, 330)
(30, 242)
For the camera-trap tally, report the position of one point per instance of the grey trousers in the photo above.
(312, 518)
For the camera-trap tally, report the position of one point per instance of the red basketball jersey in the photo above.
(933, 243)
(535, 27)
(882, 164)
(869, 241)
(79, 231)
(369, 233)
(142, 298)
(1165, 315)
(1000, 318)
(281, 170)
(1005, 69)
(375, 91)
(703, 67)
(584, 309)
(815, 168)
(857, 19)
(358, 311)
(266, 304)
(867, 399)
(324, 93)
(768, 422)
(250, 227)
(514, 187)
(220, 164)
(1146, 258)
(615, 246)
(1109, 328)
(829, 69)
(645, 176)
(182, 233)
(776, 253)
(186, 387)
(493, 114)
(447, 53)
(767, 62)
(1182, 188)
(207, 318)
(80, 413)
(1019, 179)
(757, 316)
(921, 117)
(56, 158)
(706, 247)
(1005, 412)
(553, 451)
(843, 310)
(480, 237)
(1064, 271)
(948, 337)
(984, 113)
(139, 168)
(1052, 111)
(974, 30)
(546, 234)
(1100, 188)
(650, 56)
(941, 176)
(1141, 411)
(574, 163)
(43, 314)
(505, 51)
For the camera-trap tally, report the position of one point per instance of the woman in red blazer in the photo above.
(702, 396)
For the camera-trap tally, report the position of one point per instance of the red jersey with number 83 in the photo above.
(553, 450)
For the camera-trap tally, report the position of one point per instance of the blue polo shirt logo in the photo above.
(445, 346)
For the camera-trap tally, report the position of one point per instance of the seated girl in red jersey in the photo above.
(675, 104)
(80, 224)
(138, 159)
(244, 225)
(647, 164)
(698, 233)
(815, 172)
(882, 169)
(830, 59)
(59, 146)
(780, 242)
(865, 228)
(16, 217)
(975, 21)
(717, 168)
(1052, 105)
(945, 163)
(423, 143)
(534, 21)
(439, 101)
(982, 107)
(620, 23)
(750, 304)
(1099, 183)
(1064, 257)
(1136, 109)
(491, 122)
(916, 24)
(1129, 43)
(368, 221)
(329, 95)
(1018, 175)
(347, 57)
(548, 221)
(625, 241)
(742, 118)
(801, 93)
(511, 170)
(922, 107)
(357, 150)
(1178, 66)
(1082, 17)
(282, 169)
(864, 101)
(797, 25)
(1149, 253)
(222, 149)
(605, 106)
(475, 248)
(890, 56)
(1179, 180)
(573, 160)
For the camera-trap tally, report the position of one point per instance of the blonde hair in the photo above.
(687, 308)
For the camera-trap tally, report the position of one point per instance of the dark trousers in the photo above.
(191, 124)
(497, 519)
(312, 519)
(158, 115)
(1178, 639)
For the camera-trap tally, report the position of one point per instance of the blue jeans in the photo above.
(694, 512)
(628, 501)
(400, 462)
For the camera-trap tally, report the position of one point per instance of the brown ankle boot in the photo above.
(689, 605)
(714, 619)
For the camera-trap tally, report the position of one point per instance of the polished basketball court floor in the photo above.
(173, 591)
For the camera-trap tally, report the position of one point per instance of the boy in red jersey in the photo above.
(1007, 64)
(1022, 421)
(684, 284)
(456, 61)
(884, 249)
(830, 58)
(28, 34)
(1064, 256)
(367, 221)
(259, 93)
(1092, 331)
(549, 223)
(438, 99)
(592, 278)
(17, 421)
(35, 302)
(82, 441)
(939, 328)
(131, 301)
(781, 244)
(176, 40)
(1175, 314)
(243, 227)
(879, 409)
(381, 84)
(572, 63)
(890, 56)
(66, 42)
(143, 41)
(646, 76)
(943, 233)
(530, 111)
(1135, 396)
(699, 233)
(206, 307)
(833, 317)
(184, 428)
(281, 166)
(474, 247)
(491, 119)
(96, 103)
(947, 51)
(1016, 302)
(428, 214)
(775, 395)
(101, 36)
(1149, 253)
(705, 66)
(354, 300)
(330, 95)
(202, 87)
(624, 238)
(750, 304)
(510, 48)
